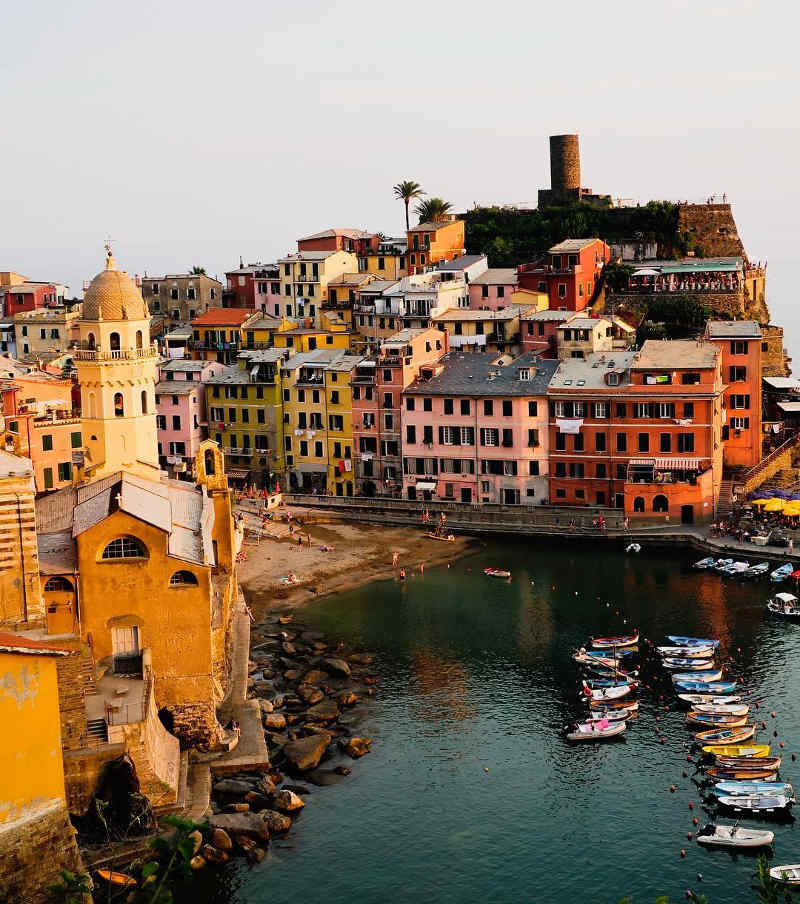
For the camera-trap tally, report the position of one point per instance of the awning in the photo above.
(569, 424)
(647, 271)
(237, 475)
(425, 485)
(789, 407)
(678, 464)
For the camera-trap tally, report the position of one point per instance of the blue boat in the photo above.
(705, 687)
(754, 788)
(609, 654)
(691, 641)
(780, 574)
(609, 682)
(705, 675)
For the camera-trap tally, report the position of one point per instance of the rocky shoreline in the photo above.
(312, 695)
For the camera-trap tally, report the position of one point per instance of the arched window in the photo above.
(138, 338)
(125, 548)
(57, 583)
(114, 342)
(91, 405)
(211, 467)
(638, 504)
(660, 504)
(144, 401)
(183, 579)
(119, 405)
(91, 342)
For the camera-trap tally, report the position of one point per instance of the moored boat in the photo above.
(610, 715)
(607, 693)
(762, 803)
(713, 688)
(704, 563)
(711, 699)
(723, 709)
(785, 605)
(736, 568)
(789, 875)
(721, 773)
(708, 719)
(611, 705)
(585, 658)
(748, 762)
(692, 665)
(707, 675)
(497, 572)
(720, 835)
(623, 640)
(721, 564)
(118, 880)
(595, 731)
(749, 788)
(756, 570)
(781, 573)
(681, 641)
(610, 682)
(725, 735)
(686, 652)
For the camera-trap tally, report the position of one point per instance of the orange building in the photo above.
(639, 431)
(49, 439)
(740, 341)
(429, 243)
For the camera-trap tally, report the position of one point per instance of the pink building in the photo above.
(377, 385)
(181, 413)
(493, 289)
(476, 431)
(539, 331)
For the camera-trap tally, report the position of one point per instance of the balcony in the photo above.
(117, 354)
(306, 278)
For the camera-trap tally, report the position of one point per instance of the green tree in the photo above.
(198, 271)
(406, 192)
(616, 275)
(432, 210)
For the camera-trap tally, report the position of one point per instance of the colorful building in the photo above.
(429, 243)
(52, 438)
(417, 298)
(340, 239)
(383, 257)
(496, 331)
(332, 334)
(343, 293)
(579, 336)
(493, 288)
(46, 330)
(255, 286)
(375, 317)
(181, 296)
(475, 430)
(568, 273)
(339, 426)
(218, 335)
(305, 277)
(29, 296)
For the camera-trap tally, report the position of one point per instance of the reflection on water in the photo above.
(471, 793)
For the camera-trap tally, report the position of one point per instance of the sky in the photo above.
(196, 132)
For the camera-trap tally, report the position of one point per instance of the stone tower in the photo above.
(565, 165)
(116, 366)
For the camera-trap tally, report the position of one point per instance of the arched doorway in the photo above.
(660, 504)
(60, 604)
(638, 504)
(113, 342)
(91, 342)
(138, 338)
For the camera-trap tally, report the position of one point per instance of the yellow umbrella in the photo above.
(758, 502)
(792, 508)
(774, 505)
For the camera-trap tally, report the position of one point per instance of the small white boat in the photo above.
(706, 676)
(781, 573)
(721, 564)
(686, 652)
(606, 693)
(633, 548)
(723, 709)
(787, 874)
(785, 605)
(712, 699)
(705, 563)
(757, 570)
(733, 836)
(736, 788)
(756, 803)
(497, 573)
(736, 568)
(612, 642)
(692, 665)
(614, 715)
(596, 731)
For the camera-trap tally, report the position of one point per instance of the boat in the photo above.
(725, 720)
(680, 641)
(704, 563)
(747, 788)
(610, 715)
(709, 699)
(497, 573)
(763, 803)
(607, 693)
(735, 568)
(685, 652)
(447, 538)
(609, 682)
(721, 773)
(726, 735)
(633, 548)
(720, 835)
(721, 564)
(749, 762)
(596, 731)
(781, 573)
(759, 751)
(120, 880)
(705, 687)
(611, 705)
(785, 605)
(723, 709)
(693, 665)
(585, 658)
(756, 570)
(789, 875)
(706, 675)
(623, 640)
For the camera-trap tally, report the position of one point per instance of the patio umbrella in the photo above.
(758, 502)
(792, 508)
(774, 505)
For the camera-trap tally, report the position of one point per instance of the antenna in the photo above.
(107, 245)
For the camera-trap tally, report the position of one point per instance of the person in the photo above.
(422, 568)
(402, 574)
(791, 545)
(395, 559)
(308, 540)
(299, 539)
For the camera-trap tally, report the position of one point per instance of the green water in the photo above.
(475, 674)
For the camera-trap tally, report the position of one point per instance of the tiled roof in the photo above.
(57, 554)
(54, 510)
(548, 315)
(510, 312)
(14, 465)
(676, 353)
(571, 245)
(583, 323)
(460, 263)
(223, 317)
(496, 276)
(306, 256)
(177, 387)
(479, 374)
(351, 279)
(590, 372)
(379, 285)
(733, 329)
(347, 231)
(431, 226)
(15, 643)
(184, 364)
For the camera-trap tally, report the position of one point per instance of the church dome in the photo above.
(113, 295)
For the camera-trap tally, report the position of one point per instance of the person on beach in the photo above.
(422, 568)
(402, 574)
(395, 559)
(308, 540)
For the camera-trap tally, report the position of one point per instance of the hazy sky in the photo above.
(193, 132)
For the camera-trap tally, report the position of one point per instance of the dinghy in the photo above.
(748, 762)
(596, 731)
(633, 548)
(705, 687)
(723, 709)
(686, 652)
(735, 568)
(704, 563)
(709, 699)
(680, 641)
(611, 705)
(764, 803)
(609, 715)
(610, 682)
(789, 875)
(692, 665)
(607, 693)
(748, 788)
(707, 720)
(496, 573)
(720, 773)
(780, 574)
(785, 605)
(725, 735)
(759, 751)
(720, 835)
(757, 570)
(624, 640)
(706, 675)
(584, 658)
(721, 564)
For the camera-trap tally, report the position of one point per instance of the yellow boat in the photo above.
(119, 879)
(753, 750)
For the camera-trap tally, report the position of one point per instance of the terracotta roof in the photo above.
(347, 231)
(15, 643)
(113, 295)
(223, 317)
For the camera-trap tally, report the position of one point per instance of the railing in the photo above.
(119, 354)
(684, 290)
(306, 277)
(757, 474)
(128, 664)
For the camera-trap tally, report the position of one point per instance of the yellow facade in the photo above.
(339, 406)
(539, 301)
(307, 340)
(384, 265)
(305, 277)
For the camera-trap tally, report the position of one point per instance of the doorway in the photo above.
(125, 648)
(687, 514)
(466, 494)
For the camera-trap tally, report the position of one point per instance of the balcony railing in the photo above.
(117, 354)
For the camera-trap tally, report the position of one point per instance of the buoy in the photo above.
(763, 724)
(683, 852)
(684, 773)
(699, 877)
(691, 805)
(672, 789)
(781, 745)
(485, 768)
(688, 758)
(756, 704)
(775, 733)
(690, 835)
(608, 605)
(576, 593)
(794, 756)
(773, 713)
(694, 820)
(662, 740)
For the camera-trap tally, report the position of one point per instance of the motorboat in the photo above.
(781, 573)
(705, 687)
(685, 652)
(623, 640)
(756, 571)
(789, 875)
(747, 788)
(610, 715)
(680, 641)
(721, 835)
(784, 605)
(497, 573)
(723, 709)
(707, 675)
(763, 803)
(736, 568)
(721, 564)
(693, 665)
(607, 693)
(709, 720)
(596, 731)
(703, 564)
(757, 751)
(698, 700)
(723, 773)
(633, 548)
(725, 735)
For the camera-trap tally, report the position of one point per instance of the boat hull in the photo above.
(751, 751)
(726, 735)
(734, 837)
(710, 719)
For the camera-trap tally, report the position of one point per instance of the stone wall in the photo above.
(21, 602)
(774, 361)
(33, 851)
(75, 680)
(196, 725)
(82, 769)
(713, 229)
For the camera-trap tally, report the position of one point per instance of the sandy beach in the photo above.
(342, 555)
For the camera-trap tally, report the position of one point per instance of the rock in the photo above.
(291, 674)
(357, 747)
(326, 711)
(297, 789)
(346, 698)
(263, 687)
(245, 843)
(324, 777)
(285, 619)
(276, 822)
(360, 658)
(197, 862)
(370, 679)
(232, 786)
(306, 753)
(338, 666)
(257, 854)
(237, 808)
(221, 840)
(289, 648)
(319, 647)
(258, 801)
(342, 770)
(319, 730)
(289, 663)
(288, 801)
(212, 855)
(249, 824)
(197, 841)
(315, 676)
(287, 636)
(266, 706)
(291, 718)
(274, 721)
(267, 783)
(309, 693)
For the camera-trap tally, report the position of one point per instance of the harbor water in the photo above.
(471, 793)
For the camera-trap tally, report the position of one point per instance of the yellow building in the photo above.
(483, 331)
(429, 243)
(219, 333)
(538, 301)
(339, 407)
(387, 261)
(332, 334)
(343, 294)
(306, 275)
(46, 330)
(259, 333)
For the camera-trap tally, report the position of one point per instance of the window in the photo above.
(600, 470)
(561, 493)
(686, 442)
(562, 290)
(58, 584)
(126, 547)
(621, 409)
(409, 403)
(688, 409)
(643, 442)
(465, 406)
(501, 291)
(638, 504)
(448, 406)
(161, 419)
(690, 379)
(47, 442)
(387, 400)
(318, 449)
(533, 438)
(76, 441)
(621, 475)
(666, 409)
(507, 407)
(533, 409)
(665, 442)
(738, 374)
(740, 401)
(600, 410)
(484, 291)
(176, 422)
(577, 442)
(388, 422)
(740, 423)
(600, 442)
(576, 469)
(561, 442)
(660, 504)
(490, 436)
(765, 346)
(119, 406)
(427, 404)
(411, 433)
(738, 347)
(304, 447)
(488, 407)
(65, 470)
(622, 442)
(508, 437)
(533, 468)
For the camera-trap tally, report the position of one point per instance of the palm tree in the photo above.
(406, 192)
(433, 210)
(198, 271)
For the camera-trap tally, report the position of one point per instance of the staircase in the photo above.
(725, 501)
(97, 730)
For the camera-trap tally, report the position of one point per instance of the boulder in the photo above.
(306, 753)
(288, 801)
(258, 801)
(324, 777)
(289, 648)
(360, 658)
(221, 840)
(245, 843)
(276, 822)
(267, 783)
(346, 698)
(232, 786)
(357, 747)
(291, 674)
(315, 676)
(237, 808)
(257, 854)
(274, 721)
(326, 711)
(266, 706)
(338, 666)
(197, 862)
(197, 840)
(212, 855)
(250, 824)
(309, 693)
